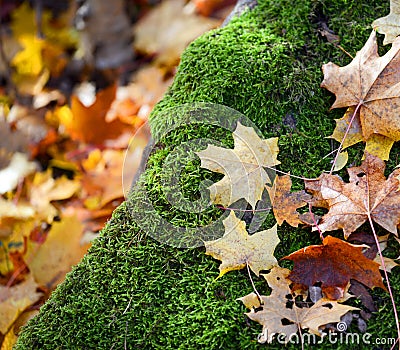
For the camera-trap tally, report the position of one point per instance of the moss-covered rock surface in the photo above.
(132, 291)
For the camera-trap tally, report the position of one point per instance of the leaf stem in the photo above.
(345, 135)
(315, 221)
(368, 205)
(244, 210)
(252, 283)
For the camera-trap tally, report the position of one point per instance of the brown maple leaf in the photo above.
(372, 83)
(285, 203)
(237, 248)
(368, 194)
(278, 314)
(333, 264)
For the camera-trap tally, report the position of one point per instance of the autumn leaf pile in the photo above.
(64, 141)
(315, 294)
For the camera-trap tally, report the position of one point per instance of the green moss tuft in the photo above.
(130, 289)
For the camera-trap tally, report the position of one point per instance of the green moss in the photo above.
(132, 291)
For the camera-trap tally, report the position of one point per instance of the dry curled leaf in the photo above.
(285, 203)
(372, 83)
(333, 264)
(390, 24)
(243, 166)
(237, 248)
(368, 193)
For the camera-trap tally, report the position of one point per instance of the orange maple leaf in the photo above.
(333, 264)
(285, 203)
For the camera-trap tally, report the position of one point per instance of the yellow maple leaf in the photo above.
(237, 248)
(243, 167)
(29, 60)
(51, 260)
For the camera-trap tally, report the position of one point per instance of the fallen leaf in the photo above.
(313, 186)
(367, 194)
(372, 83)
(277, 280)
(14, 300)
(277, 318)
(243, 167)
(19, 211)
(389, 263)
(237, 248)
(18, 168)
(389, 25)
(379, 146)
(29, 61)
(285, 203)
(361, 292)
(44, 189)
(9, 340)
(333, 264)
(51, 260)
(57, 31)
(168, 29)
(88, 124)
(207, 7)
(102, 180)
(341, 161)
(39, 56)
(354, 132)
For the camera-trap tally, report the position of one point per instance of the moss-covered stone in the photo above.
(131, 291)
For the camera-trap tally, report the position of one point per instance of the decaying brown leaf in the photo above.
(368, 193)
(389, 25)
(333, 264)
(237, 248)
(372, 83)
(285, 203)
(279, 314)
(243, 166)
